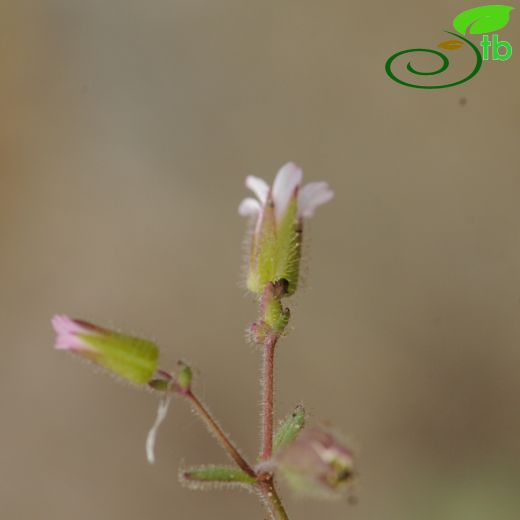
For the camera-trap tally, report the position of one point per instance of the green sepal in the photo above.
(289, 428)
(223, 474)
(161, 385)
(288, 250)
(263, 253)
(134, 359)
(276, 251)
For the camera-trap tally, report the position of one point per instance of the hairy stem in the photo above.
(271, 499)
(265, 482)
(219, 434)
(267, 396)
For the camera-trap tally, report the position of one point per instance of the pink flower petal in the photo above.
(287, 180)
(67, 331)
(70, 342)
(259, 187)
(311, 196)
(62, 324)
(249, 207)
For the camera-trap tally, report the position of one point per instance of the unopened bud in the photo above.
(275, 316)
(184, 376)
(134, 359)
(259, 332)
(162, 381)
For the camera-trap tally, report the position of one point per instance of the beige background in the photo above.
(126, 131)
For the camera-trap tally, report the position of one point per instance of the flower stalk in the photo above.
(217, 431)
(268, 397)
(264, 481)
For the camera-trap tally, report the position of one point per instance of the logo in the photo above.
(479, 20)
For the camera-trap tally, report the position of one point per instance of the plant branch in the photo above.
(219, 433)
(265, 483)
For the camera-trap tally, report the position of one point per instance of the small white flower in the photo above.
(278, 212)
(286, 186)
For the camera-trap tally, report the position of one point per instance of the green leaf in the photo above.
(484, 19)
(222, 474)
(289, 428)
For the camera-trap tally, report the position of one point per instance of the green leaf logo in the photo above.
(484, 19)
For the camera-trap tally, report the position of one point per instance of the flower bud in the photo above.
(278, 214)
(275, 316)
(133, 359)
(259, 332)
(163, 381)
(317, 463)
(184, 376)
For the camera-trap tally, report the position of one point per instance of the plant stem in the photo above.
(265, 482)
(219, 434)
(271, 499)
(267, 396)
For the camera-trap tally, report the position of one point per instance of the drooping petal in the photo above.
(162, 410)
(259, 187)
(288, 178)
(249, 207)
(311, 196)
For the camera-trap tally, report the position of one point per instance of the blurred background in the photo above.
(127, 130)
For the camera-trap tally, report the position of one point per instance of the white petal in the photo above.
(152, 434)
(311, 196)
(258, 186)
(249, 207)
(289, 177)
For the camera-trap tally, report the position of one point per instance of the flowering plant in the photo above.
(315, 460)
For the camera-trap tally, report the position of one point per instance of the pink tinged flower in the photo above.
(70, 333)
(134, 359)
(318, 462)
(278, 213)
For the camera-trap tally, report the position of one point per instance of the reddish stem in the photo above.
(219, 434)
(271, 499)
(267, 397)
